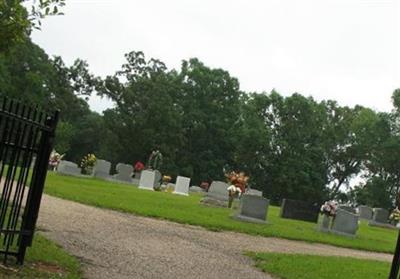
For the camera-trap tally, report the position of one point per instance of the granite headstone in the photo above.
(299, 210)
(124, 173)
(253, 208)
(345, 223)
(102, 169)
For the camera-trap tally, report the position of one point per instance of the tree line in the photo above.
(204, 125)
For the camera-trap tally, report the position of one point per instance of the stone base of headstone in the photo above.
(196, 189)
(135, 181)
(218, 203)
(249, 219)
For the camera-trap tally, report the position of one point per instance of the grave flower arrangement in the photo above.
(55, 159)
(88, 162)
(329, 208)
(238, 185)
(395, 216)
(166, 178)
(139, 166)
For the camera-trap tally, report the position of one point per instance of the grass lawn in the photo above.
(187, 210)
(288, 266)
(44, 260)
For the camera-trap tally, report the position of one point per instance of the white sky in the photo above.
(346, 50)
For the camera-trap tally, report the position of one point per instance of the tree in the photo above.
(17, 21)
(146, 115)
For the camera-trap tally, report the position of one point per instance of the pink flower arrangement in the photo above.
(329, 208)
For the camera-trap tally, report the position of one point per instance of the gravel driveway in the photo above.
(111, 244)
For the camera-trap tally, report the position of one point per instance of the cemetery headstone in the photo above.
(345, 223)
(253, 208)
(217, 194)
(380, 217)
(124, 173)
(218, 190)
(102, 169)
(147, 180)
(68, 168)
(347, 208)
(182, 186)
(254, 192)
(299, 210)
(365, 212)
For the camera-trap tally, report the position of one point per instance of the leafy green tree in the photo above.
(19, 17)
(145, 116)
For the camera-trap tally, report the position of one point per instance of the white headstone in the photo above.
(182, 186)
(124, 173)
(102, 169)
(147, 180)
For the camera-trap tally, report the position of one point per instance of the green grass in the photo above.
(187, 210)
(290, 266)
(44, 260)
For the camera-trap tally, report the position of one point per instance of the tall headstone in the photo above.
(299, 210)
(148, 179)
(380, 217)
(345, 223)
(182, 186)
(102, 169)
(365, 212)
(124, 173)
(253, 208)
(68, 168)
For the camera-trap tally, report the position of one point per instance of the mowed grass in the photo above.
(294, 266)
(44, 260)
(188, 210)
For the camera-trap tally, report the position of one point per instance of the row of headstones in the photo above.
(150, 179)
(101, 170)
(254, 208)
(375, 216)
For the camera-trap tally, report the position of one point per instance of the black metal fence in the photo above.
(26, 141)
(394, 272)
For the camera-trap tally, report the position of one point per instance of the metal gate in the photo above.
(26, 141)
(394, 271)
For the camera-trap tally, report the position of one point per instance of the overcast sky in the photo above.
(347, 50)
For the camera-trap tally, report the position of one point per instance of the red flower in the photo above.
(139, 166)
